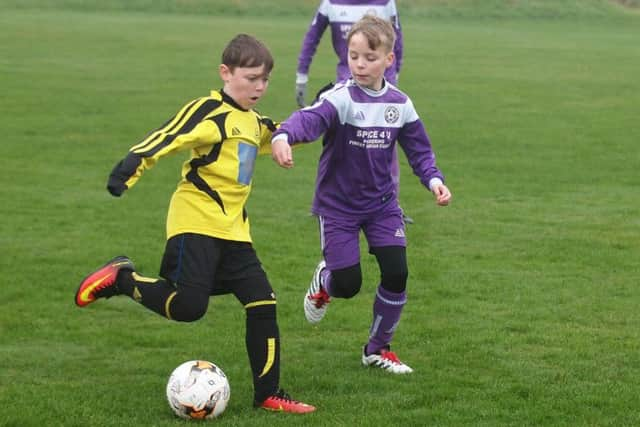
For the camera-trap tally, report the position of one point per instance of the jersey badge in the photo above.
(391, 114)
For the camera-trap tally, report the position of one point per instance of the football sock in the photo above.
(263, 346)
(325, 280)
(151, 293)
(387, 309)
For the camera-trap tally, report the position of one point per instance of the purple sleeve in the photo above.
(414, 141)
(398, 48)
(311, 41)
(308, 124)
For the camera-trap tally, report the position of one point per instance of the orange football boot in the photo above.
(282, 402)
(102, 282)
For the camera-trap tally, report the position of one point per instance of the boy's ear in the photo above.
(225, 72)
(390, 58)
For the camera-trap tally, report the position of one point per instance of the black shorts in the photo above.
(216, 265)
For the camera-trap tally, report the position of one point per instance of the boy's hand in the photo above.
(116, 188)
(442, 193)
(281, 153)
(116, 183)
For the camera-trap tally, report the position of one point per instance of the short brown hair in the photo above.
(246, 51)
(377, 31)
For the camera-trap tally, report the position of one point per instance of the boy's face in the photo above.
(367, 66)
(245, 85)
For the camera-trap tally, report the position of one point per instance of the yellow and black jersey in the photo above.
(224, 140)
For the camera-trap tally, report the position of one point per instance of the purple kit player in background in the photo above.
(340, 15)
(361, 120)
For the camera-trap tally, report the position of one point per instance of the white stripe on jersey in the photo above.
(353, 13)
(370, 114)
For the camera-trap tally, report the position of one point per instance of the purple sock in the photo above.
(325, 280)
(386, 315)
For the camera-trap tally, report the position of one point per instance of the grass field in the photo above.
(523, 294)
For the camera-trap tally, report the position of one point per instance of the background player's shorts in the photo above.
(339, 237)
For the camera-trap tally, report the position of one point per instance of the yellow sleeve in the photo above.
(184, 131)
(267, 128)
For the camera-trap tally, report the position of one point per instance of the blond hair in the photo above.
(377, 31)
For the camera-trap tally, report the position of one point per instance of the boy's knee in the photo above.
(346, 282)
(345, 290)
(393, 267)
(395, 282)
(262, 312)
(187, 309)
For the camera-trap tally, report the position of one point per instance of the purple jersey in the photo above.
(360, 128)
(340, 15)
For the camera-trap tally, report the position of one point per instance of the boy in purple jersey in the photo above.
(339, 16)
(361, 119)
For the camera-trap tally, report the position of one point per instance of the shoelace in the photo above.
(390, 355)
(283, 395)
(321, 298)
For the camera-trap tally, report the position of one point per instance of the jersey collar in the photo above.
(371, 92)
(229, 100)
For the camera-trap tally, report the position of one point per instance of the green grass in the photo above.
(410, 9)
(523, 293)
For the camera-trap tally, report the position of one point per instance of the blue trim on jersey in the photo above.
(247, 154)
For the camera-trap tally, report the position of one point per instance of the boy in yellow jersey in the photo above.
(208, 249)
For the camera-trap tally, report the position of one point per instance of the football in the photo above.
(198, 389)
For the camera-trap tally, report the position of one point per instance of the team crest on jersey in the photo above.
(391, 114)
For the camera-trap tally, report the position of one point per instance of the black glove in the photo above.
(121, 173)
(301, 94)
(116, 184)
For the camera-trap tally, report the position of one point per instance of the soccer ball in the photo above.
(198, 389)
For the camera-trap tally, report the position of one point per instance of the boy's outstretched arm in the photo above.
(281, 152)
(302, 126)
(181, 132)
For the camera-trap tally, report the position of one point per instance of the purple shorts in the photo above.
(340, 237)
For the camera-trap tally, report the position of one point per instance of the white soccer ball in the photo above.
(198, 389)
